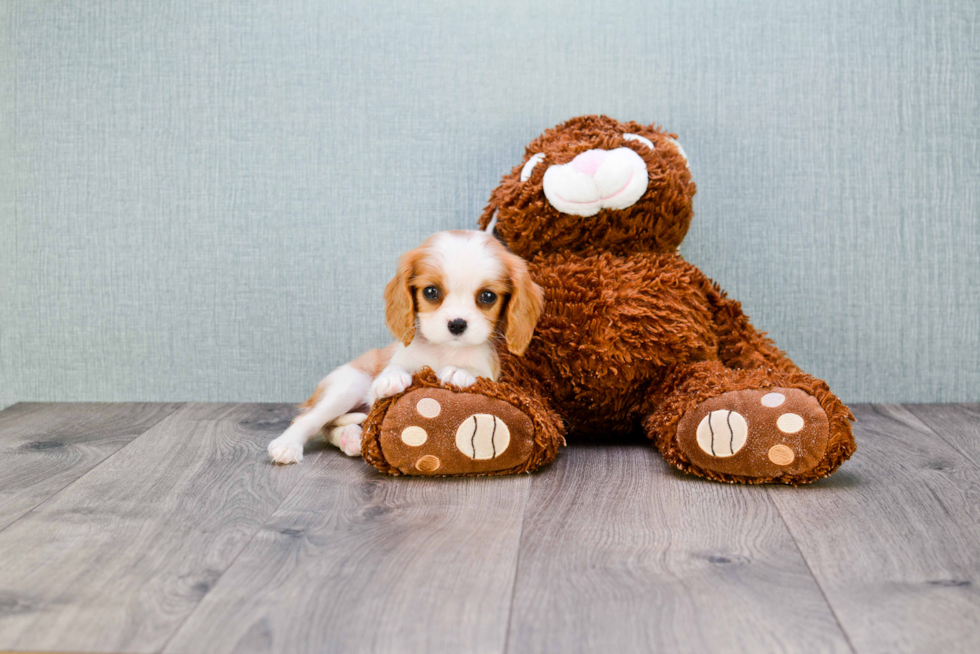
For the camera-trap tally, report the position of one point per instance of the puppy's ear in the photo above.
(399, 303)
(524, 307)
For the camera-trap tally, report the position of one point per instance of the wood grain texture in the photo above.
(354, 561)
(622, 554)
(958, 425)
(119, 560)
(185, 539)
(45, 448)
(892, 537)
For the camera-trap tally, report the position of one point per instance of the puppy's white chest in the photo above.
(476, 359)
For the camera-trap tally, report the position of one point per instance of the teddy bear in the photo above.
(632, 337)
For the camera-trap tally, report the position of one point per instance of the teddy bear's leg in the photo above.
(757, 425)
(484, 429)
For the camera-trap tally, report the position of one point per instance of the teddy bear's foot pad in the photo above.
(769, 432)
(438, 432)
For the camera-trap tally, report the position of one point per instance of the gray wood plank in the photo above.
(45, 447)
(118, 560)
(620, 553)
(355, 562)
(893, 536)
(956, 424)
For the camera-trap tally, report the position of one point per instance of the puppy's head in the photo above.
(461, 288)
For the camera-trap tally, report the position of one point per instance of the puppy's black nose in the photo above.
(457, 326)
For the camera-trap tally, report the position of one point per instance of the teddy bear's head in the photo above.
(594, 183)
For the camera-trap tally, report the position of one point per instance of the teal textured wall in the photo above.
(203, 200)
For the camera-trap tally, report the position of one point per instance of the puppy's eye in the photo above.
(487, 298)
(431, 293)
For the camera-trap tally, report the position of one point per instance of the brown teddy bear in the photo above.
(632, 336)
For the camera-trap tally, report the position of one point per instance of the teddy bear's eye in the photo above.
(642, 139)
(529, 166)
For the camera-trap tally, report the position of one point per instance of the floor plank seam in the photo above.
(965, 454)
(231, 563)
(893, 539)
(61, 490)
(796, 544)
(517, 565)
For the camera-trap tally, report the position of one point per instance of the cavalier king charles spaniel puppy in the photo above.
(452, 298)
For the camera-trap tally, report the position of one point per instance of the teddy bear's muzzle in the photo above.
(596, 180)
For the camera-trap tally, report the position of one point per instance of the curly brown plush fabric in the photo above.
(634, 337)
(545, 434)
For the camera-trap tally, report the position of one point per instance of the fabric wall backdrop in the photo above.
(204, 200)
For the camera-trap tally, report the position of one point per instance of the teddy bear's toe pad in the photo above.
(435, 432)
(755, 433)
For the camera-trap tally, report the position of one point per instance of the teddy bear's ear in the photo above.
(488, 219)
(524, 307)
(490, 224)
(399, 304)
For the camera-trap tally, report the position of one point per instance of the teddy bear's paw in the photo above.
(438, 432)
(769, 432)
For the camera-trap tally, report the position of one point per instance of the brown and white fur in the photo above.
(447, 304)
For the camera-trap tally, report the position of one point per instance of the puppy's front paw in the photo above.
(391, 383)
(456, 377)
(285, 450)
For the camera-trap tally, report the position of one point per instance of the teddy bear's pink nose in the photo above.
(589, 161)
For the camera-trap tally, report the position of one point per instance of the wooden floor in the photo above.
(163, 528)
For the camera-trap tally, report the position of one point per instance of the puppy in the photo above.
(451, 299)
